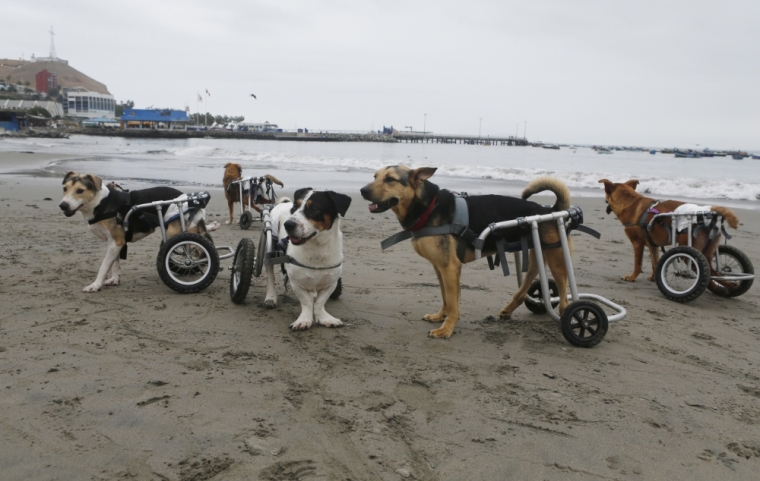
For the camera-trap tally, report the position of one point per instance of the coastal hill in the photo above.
(68, 77)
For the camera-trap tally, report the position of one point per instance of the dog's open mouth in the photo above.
(383, 206)
(69, 213)
(298, 241)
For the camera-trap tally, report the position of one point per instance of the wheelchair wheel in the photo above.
(584, 324)
(732, 262)
(264, 247)
(338, 289)
(682, 274)
(246, 219)
(242, 270)
(538, 307)
(187, 263)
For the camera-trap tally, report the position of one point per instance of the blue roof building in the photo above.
(154, 119)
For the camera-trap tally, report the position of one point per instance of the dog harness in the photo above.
(460, 227)
(279, 256)
(708, 222)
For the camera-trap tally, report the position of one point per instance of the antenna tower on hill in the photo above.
(52, 43)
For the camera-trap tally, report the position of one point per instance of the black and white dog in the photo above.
(311, 224)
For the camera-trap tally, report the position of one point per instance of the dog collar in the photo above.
(424, 217)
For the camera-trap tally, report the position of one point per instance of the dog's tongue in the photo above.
(294, 240)
(372, 207)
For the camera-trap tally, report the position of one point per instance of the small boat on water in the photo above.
(653, 151)
(756, 157)
(603, 151)
(687, 154)
(551, 146)
(737, 157)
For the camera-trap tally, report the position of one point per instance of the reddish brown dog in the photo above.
(629, 206)
(233, 172)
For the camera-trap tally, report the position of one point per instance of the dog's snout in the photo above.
(290, 225)
(64, 206)
(365, 191)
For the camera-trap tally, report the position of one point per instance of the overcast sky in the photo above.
(659, 73)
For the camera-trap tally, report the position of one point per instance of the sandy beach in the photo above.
(139, 382)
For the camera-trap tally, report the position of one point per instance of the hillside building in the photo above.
(82, 103)
(45, 81)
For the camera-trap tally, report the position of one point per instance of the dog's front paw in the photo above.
(114, 281)
(629, 278)
(228, 222)
(440, 333)
(439, 317)
(329, 321)
(94, 287)
(301, 324)
(505, 316)
(270, 303)
(651, 278)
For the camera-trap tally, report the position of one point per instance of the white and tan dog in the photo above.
(311, 223)
(104, 208)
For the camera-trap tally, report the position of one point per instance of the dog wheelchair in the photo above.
(249, 262)
(186, 262)
(584, 323)
(252, 185)
(683, 272)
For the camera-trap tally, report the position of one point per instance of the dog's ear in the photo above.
(341, 201)
(227, 165)
(608, 186)
(632, 183)
(97, 181)
(301, 193)
(68, 176)
(417, 176)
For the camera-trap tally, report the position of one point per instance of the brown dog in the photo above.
(233, 172)
(418, 203)
(629, 206)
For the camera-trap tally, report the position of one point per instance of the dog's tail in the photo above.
(274, 180)
(553, 184)
(733, 221)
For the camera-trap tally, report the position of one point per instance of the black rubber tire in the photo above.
(246, 219)
(188, 275)
(242, 270)
(584, 324)
(258, 265)
(733, 261)
(535, 292)
(338, 289)
(682, 262)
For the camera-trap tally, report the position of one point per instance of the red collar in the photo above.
(421, 222)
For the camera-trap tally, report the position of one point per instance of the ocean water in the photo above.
(346, 166)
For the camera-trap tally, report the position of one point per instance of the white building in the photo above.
(82, 103)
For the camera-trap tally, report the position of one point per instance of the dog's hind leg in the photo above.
(522, 292)
(231, 205)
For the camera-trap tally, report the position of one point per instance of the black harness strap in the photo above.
(278, 256)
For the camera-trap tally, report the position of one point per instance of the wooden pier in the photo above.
(433, 138)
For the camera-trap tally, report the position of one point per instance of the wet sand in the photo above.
(139, 382)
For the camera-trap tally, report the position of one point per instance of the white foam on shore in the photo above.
(192, 162)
